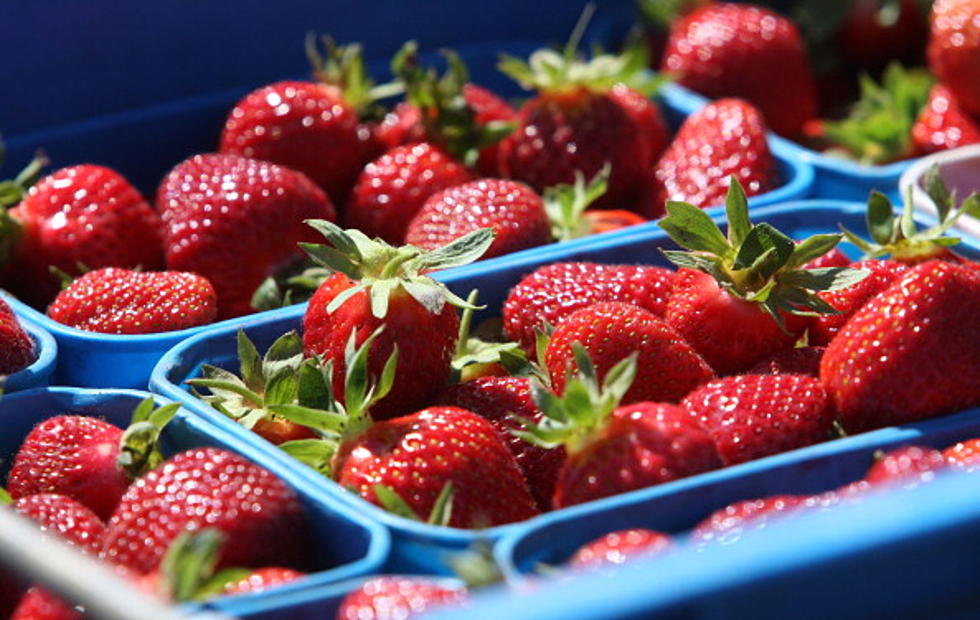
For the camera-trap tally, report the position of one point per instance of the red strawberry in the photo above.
(964, 455)
(943, 124)
(235, 221)
(722, 139)
(262, 579)
(726, 526)
(910, 465)
(120, 301)
(848, 300)
(954, 50)
(667, 367)
(261, 517)
(554, 291)
(795, 361)
(82, 215)
(871, 39)
(69, 519)
(736, 50)
(910, 352)
(601, 220)
(39, 604)
(752, 416)
(621, 546)
(17, 349)
(398, 597)
(833, 258)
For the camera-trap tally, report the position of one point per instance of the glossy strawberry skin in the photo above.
(261, 518)
(667, 367)
(964, 455)
(619, 547)
(40, 604)
(262, 579)
(121, 301)
(910, 352)
(752, 416)
(909, 465)
(795, 361)
(726, 526)
(17, 349)
(69, 519)
(88, 215)
(305, 126)
(416, 455)
(561, 133)
(73, 456)
(504, 401)
(642, 445)
(391, 189)
(235, 220)
(425, 343)
(871, 44)
(554, 291)
(734, 50)
(954, 50)
(833, 258)
(848, 300)
(393, 597)
(514, 210)
(943, 124)
(724, 138)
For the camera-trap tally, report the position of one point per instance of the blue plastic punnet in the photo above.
(38, 374)
(345, 544)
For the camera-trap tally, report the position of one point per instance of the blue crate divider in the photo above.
(38, 374)
(345, 544)
(420, 547)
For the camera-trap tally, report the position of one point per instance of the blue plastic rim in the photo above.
(345, 544)
(420, 547)
(38, 374)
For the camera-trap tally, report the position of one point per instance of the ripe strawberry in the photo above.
(214, 206)
(69, 519)
(17, 349)
(724, 138)
(870, 37)
(964, 455)
(954, 50)
(621, 546)
(795, 361)
(907, 466)
(40, 604)
(736, 50)
(398, 597)
(119, 301)
(874, 369)
(847, 301)
(943, 124)
(376, 284)
(610, 448)
(84, 215)
(667, 367)
(503, 401)
(735, 306)
(752, 416)
(262, 579)
(833, 258)
(260, 516)
(585, 116)
(727, 525)
(552, 292)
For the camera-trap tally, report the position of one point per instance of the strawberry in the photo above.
(262, 579)
(71, 520)
(17, 349)
(585, 115)
(833, 258)
(77, 218)
(943, 124)
(552, 292)
(667, 367)
(795, 361)
(737, 298)
(752, 416)
(735, 50)
(393, 597)
(610, 448)
(213, 206)
(954, 50)
(874, 369)
(846, 301)
(120, 301)
(908, 466)
(260, 516)
(724, 138)
(619, 547)
(964, 455)
(40, 604)
(726, 526)
(875, 32)
(87, 459)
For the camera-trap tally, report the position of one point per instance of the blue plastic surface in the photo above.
(419, 547)
(38, 374)
(345, 544)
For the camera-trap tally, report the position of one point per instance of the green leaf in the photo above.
(620, 377)
(343, 296)
(692, 228)
(443, 508)
(190, 561)
(461, 251)
(547, 401)
(765, 250)
(314, 388)
(282, 387)
(332, 259)
(338, 238)
(319, 419)
(862, 245)
(937, 191)
(880, 218)
(285, 352)
(250, 363)
(379, 292)
(824, 279)
(216, 585)
(162, 416)
(430, 294)
(393, 502)
(5, 499)
(231, 387)
(142, 411)
(686, 260)
(314, 453)
(737, 212)
(811, 248)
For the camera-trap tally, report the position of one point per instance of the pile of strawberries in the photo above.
(110, 493)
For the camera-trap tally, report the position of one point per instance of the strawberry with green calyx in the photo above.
(475, 357)
(440, 514)
(610, 448)
(899, 237)
(742, 297)
(587, 114)
(378, 284)
(879, 127)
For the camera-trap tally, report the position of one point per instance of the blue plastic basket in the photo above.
(345, 544)
(419, 547)
(39, 373)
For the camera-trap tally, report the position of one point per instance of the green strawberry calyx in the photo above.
(381, 269)
(577, 417)
(441, 513)
(11, 193)
(899, 235)
(342, 66)
(139, 448)
(447, 118)
(5, 498)
(188, 569)
(756, 262)
(565, 204)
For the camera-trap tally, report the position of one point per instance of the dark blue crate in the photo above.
(345, 543)
(38, 374)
